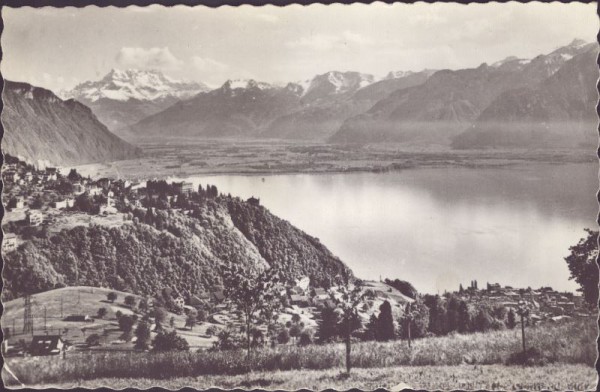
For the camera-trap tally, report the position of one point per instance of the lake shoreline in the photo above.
(178, 161)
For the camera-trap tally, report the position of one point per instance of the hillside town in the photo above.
(42, 200)
(544, 303)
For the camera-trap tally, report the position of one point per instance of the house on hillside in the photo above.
(79, 317)
(104, 183)
(10, 176)
(59, 205)
(303, 283)
(9, 242)
(183, 187)
(94, 191)
(46, 345)
(19, 203)
(78, 188)
(179, 302)
(321, 294)
(34, 218)
(299, 300)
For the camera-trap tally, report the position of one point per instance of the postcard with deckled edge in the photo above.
(396, 196)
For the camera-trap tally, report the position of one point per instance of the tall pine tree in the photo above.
(385, 322)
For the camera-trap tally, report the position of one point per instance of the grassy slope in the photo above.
(466, 377)
(86, 300)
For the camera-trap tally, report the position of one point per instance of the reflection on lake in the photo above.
(439, 227)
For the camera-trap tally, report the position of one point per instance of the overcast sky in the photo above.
(57, 48)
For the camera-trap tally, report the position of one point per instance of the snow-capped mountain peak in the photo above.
(335, 82)
(246, 84)
(142, 85)
(397, 74)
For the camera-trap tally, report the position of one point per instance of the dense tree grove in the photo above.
(428, 315)
(165, 248)
(414, 319)
(281, 244)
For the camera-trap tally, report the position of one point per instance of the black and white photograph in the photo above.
(396, 196)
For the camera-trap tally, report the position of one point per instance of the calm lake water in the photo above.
(439, 227)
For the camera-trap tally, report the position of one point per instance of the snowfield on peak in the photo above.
(247, 83)
(135, 84)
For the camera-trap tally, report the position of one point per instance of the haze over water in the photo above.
(439, 227)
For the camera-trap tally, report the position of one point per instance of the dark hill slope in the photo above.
(169, 249)
(40, 127)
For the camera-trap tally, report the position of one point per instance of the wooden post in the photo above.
(523, 332)
(348, 347)
(409, 320)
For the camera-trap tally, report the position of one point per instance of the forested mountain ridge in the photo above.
(167, 248)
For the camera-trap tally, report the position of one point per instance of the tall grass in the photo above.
(572, 343)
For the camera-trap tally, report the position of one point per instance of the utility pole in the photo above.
(27, 316)
(61, 306)
(409, 320)
(523, 311)
(45, 317)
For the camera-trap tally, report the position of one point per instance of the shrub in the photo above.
(212, 330)
(130, 301)
(126, 323)
(229, 340)
(169, 341)
(93, 340)
(283, 337)
(142, 333)
(295, 331)
(201, 316)
(306, 338)
(531, 357)
(112, 296)
(102, 312)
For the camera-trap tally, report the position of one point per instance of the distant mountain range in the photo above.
(463, 108)
(547, 101)
(311, 110)
(452, 102)
(43, 129)
(122, 98)
(559, 111)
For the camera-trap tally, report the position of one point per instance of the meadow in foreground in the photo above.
(466, 377)
(570, 343)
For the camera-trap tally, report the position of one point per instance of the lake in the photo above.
(438, 227)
